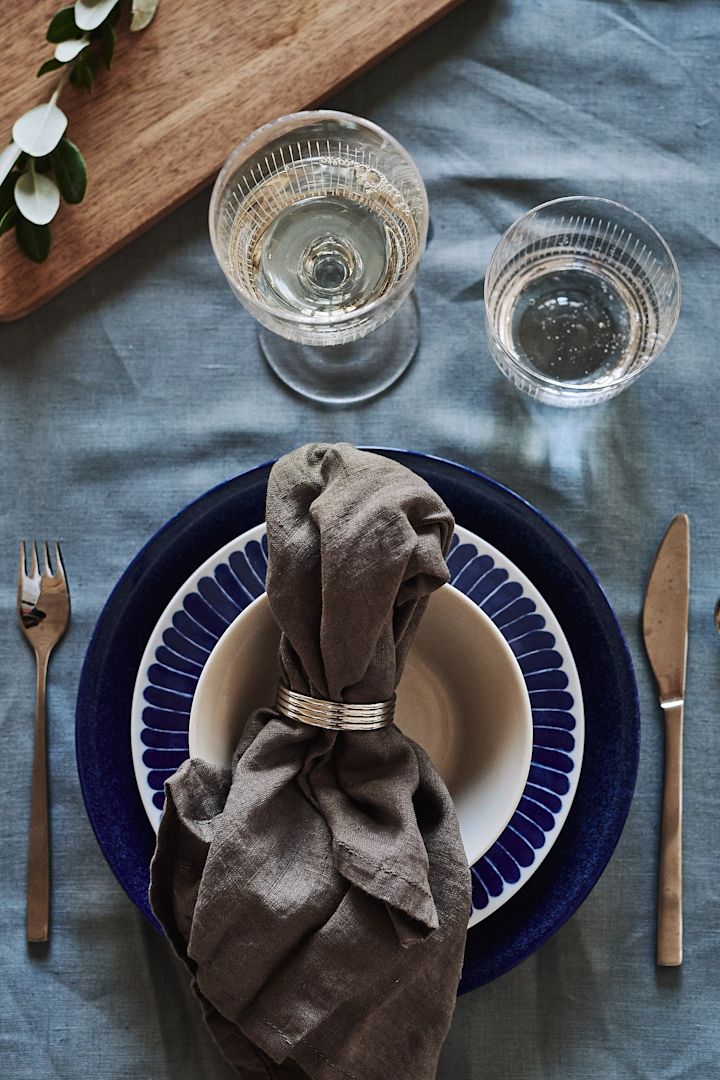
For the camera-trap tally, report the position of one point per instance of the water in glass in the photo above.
(581, 294)
(316, 229)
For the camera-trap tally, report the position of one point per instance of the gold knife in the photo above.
(665, 629)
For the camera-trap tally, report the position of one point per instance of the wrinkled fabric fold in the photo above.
(318, 890)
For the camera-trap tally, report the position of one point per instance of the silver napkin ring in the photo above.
(336, 715)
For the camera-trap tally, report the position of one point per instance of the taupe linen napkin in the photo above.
(318, 891)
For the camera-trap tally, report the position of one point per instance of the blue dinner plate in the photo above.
(607, 779)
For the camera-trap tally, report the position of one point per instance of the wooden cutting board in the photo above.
(181, 94)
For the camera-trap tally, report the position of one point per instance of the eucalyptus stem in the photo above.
(61, 84)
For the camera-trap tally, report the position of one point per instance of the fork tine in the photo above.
(22, 568)
(47, 570)
(59, 568)
(34, 560)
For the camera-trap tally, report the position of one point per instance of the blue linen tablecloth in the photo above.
(141, 387)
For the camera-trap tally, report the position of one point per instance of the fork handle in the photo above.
(669, 914)
(38, 879)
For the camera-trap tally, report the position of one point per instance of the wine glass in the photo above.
(318, 221)
(581, 294)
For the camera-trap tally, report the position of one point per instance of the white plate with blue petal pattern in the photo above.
(229, 581)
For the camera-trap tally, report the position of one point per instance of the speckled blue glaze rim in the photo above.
(205, 606)
(531, 542)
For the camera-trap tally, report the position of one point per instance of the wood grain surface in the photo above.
(180, 96)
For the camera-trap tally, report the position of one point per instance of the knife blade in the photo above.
(665, 632)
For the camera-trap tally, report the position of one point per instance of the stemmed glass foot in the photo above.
(348, 373)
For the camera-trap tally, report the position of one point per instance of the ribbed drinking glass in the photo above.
(581, 294)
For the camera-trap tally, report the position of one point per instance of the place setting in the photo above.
(357, 729)
(562, 731)
(518, 685)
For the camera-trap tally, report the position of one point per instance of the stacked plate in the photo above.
(161, 635)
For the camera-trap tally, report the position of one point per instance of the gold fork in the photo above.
(43, 605)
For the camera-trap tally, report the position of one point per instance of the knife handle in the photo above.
(669, 913)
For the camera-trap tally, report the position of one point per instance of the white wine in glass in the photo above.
(318, 221)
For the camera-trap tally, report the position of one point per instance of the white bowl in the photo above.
(462, 697)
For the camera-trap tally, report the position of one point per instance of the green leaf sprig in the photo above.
(41, 166)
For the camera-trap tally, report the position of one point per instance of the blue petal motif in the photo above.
(175, 662)
(487, 586)
(472, 573)
(537, 813)
(547, 680)
(553, 738)
(460, 556)
(192, 630)
(200, 610)
(507, 604)
(528, 830)
(164, 759)
(157, 777)
(165, 720)
(489, 876)
(246, 576)
(551, 699)
(549, 779)
(504, 863)
(218, 599)
(553, 718)
(255, 554)
(541, 795)
(522, 852)
(183, 646)
(165, 740)
(524, 628)
(170, 679)
(543, 660)
(520, 627)
(480, 898)
(167, 699)
(553, 759)
(234, 588)
(530, 643)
